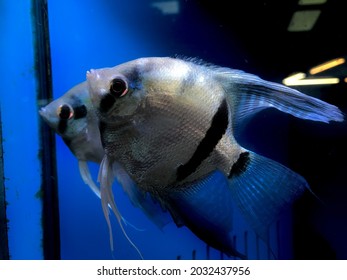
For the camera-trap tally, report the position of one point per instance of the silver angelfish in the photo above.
(73, 117)
(167, 126)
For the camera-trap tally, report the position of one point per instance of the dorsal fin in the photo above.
(249, 94)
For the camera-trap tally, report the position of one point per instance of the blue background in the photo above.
(94, 34)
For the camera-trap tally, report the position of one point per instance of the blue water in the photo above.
(93, 34)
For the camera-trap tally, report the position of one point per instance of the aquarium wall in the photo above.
(21, 183)
(46, 210)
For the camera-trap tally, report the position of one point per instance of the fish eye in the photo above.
(118, 87)
(65, 112)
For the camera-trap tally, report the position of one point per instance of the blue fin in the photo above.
(250, 94)
(259, 187)
(206, 208)
(262, 188)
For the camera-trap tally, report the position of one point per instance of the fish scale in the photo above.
(160, 130)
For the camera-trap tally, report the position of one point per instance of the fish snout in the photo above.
(43, 112)
(46, 115)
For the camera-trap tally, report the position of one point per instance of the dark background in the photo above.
(256, 32)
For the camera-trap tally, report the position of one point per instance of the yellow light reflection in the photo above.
(306, 82)
(327, 65)
(293, 78)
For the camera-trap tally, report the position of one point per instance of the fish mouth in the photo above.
(43, 113)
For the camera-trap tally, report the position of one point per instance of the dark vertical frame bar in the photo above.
(4, 250)
(50, 213)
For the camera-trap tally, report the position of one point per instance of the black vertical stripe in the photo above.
(80, 112)
(102, 128)
(106, 103)
(240, 165)
(62, 126)
(216, 131)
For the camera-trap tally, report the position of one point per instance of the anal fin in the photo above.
(262, 188)
(206, 208)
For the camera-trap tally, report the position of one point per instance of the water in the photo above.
(51, 213)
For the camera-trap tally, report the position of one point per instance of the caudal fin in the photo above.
(262, 188)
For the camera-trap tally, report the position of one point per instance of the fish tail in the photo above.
(262, 188)
(106, 177)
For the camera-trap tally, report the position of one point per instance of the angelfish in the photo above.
(168, 125)
(72, 117)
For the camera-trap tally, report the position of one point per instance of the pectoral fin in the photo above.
(106, 178)
(87, 178)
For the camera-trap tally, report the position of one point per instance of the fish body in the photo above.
(167, 125)
(161, 120)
